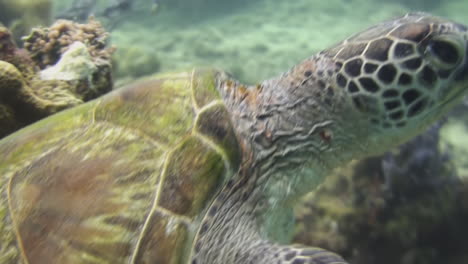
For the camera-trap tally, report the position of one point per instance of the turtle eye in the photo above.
(445, 52)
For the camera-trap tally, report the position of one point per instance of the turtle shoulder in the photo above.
(122, 179)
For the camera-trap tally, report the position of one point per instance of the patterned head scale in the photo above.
(402, 70)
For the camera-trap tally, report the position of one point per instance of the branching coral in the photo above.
(407, 206)
(47, 45)
(7, 45)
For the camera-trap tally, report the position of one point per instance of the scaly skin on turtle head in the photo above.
(398, 77)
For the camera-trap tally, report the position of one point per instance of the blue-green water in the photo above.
(252, 39)
(408, 220)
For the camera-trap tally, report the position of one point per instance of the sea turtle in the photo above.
(197, 168)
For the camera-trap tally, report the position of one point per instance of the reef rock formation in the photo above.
(47, 44)
(74, 64)
(60, 67)
(408, 206)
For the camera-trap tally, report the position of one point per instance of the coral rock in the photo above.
(47, 45)
(82, 71)
(396, 208)
(75, 64)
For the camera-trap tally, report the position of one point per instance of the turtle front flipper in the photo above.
(297, 255)
(235, 230)
(237, 243)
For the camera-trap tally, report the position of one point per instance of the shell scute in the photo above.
(17, 150)
(214, 122)
(204, 87)
(165, 104)
(193, 173)
(165, 235)
(87, 201)
(122, 179)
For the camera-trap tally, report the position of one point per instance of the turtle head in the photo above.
(397, 77)
(368, 93)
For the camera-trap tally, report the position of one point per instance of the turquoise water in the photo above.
(259, 39)
(253, 39)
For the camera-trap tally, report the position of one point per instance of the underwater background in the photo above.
(252, 39)
(409, 206)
